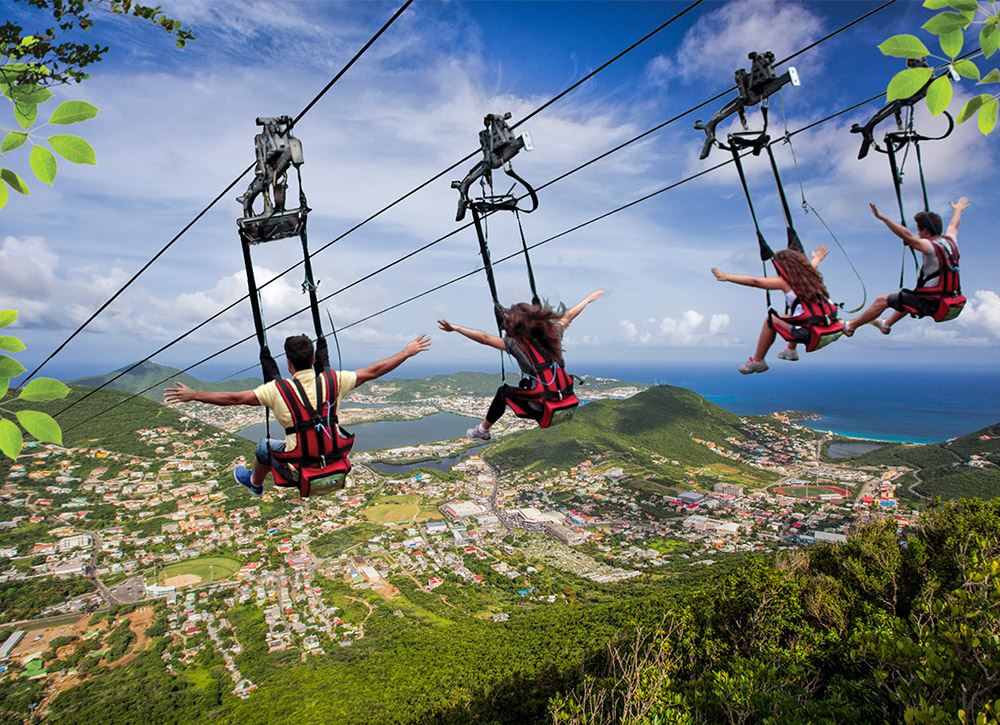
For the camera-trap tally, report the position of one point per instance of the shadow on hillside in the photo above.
(519, 700)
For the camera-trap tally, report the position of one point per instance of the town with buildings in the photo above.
(170, 541)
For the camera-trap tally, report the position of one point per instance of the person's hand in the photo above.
(721, 276)
(181, 393)
(417, 346)
(959, 205)
(820, 254)
(446, 326)
(878, 215)
(595, 294)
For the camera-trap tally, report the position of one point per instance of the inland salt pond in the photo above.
(846, 450)
(390, 433)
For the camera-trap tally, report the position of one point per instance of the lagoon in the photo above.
(390, 433)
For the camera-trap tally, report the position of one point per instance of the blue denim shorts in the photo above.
(264, 459)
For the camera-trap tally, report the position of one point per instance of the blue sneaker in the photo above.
(244, 477)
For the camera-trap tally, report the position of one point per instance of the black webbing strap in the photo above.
(793, 237)
(897, 182)
(484, 250)
(527, 260)
(765, 250)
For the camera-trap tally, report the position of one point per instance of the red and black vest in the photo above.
(321, 445)
(943, 285)
(819, 317)
(549, 397)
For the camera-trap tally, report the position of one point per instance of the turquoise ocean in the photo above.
(902, 403)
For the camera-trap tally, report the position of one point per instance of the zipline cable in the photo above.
(214, 201)
(369, 218)
(437, 176)
(476, 271)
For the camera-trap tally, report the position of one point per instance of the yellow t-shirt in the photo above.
(268, 395)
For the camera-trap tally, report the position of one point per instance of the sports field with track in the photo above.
(202, 570)
(811, 491)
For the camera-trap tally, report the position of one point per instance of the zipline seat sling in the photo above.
(321, 445)
(947, 289)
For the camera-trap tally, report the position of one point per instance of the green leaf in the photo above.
(904, 46)
(16, 183)
(989, 39)
(9, 367)
(3, 194)
(12, 140)
(25, 113)
(951, 43)
(945, 23)
(43, 163)
(4, 387)
(967, 68)
(971, 107)
(937, 4)
(30, 94)
(41, 425)
(72, 112)
(11, 439)
(11, 344)
(963, 5)
(7, 317)
(41, 389)
(988, 116)
(992, 77)
(939, 95)
(73, 148)
(907, 82)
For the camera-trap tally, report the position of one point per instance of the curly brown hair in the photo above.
(533, 324)
(796, 269)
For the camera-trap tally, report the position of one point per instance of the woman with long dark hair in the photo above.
(802, 285)
(525, 326)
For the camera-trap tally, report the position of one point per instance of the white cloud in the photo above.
(982, 314)
(717, 44)
(687, 330)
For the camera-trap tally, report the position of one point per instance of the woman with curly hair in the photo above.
(525, 326)
(803, 286)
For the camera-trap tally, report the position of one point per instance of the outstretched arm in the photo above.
(819, 255)
(909, 238)
(576, 309)
(483, 338)
(748, 281)
(181, 393)
(957, 208)
(380, 368)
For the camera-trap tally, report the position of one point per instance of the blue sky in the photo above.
(176, 126)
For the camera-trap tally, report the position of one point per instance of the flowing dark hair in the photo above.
(533, 324)
(796, 269)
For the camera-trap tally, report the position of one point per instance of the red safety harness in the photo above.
(819, 318)
(947, 289)
(321, 445)
(550, 400)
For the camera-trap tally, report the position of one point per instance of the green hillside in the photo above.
(662, 421)
(943, 468)
(150, 374)
(472, 383)
(109, 419)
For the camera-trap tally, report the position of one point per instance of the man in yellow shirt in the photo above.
(300, 356)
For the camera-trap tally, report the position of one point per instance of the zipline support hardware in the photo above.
(901, 135)
(499, 146)
(276, 150)
(753, 87)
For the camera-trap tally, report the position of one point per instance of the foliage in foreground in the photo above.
(870, 631)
